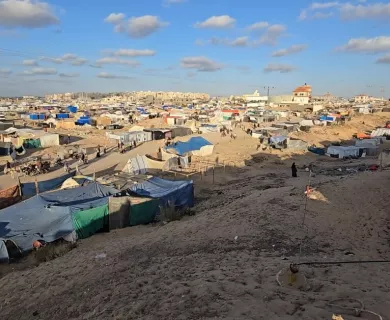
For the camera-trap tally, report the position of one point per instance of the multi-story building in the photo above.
(362, 98)
(302, 94)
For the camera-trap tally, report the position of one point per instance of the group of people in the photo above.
(122, 148)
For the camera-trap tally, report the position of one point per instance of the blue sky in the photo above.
(220, 47)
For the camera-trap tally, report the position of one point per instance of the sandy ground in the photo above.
(221, 263)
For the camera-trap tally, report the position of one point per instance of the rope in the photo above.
(357, 311)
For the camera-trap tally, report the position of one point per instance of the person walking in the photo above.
(294, 170)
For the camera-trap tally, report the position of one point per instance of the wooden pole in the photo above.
(213, 174)
(36, 186)
(20, 186)
(381, 161)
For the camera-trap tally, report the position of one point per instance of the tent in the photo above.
(49, 140)
(179, 194)
(72, 109)
(5, 148)
(143, 164)
(343, 151)
(76, 181)
(55, 215)
(196, 146)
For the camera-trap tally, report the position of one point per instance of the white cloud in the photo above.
(370, 11)
(291, 50)
(258, 26)
(238, 42)
(26, 14)
(79, 62)
(323, 5)
(347, 11)
(106, 75)
(367, 45)
(115, 18)
(135, 27)
(113, 60)
(133, 53)
(53, 60)
(272, 34)
(217, 22)
(5, 72)
(384, 59)
(69, 75)
(67, 57)
(30, 63)
(282, 68)
(200, 63)
(40, 71)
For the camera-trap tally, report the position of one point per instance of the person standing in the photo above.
(294, 170)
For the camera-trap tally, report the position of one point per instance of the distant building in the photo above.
(362, 98)
(302, 94)
(255, 97)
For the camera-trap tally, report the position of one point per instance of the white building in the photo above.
(362, 98)
(255, 97)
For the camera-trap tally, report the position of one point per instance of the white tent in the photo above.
(343, 152)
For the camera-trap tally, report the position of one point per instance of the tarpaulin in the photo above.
(177, 193)
(343, 152)
(9, 196)
(278, 139)
(142, 211)
(5, 148)
(136, 165)
(194, 144)
(88, 222)
(32, 143)
(50, 139)
(49, 216)
(29, 189)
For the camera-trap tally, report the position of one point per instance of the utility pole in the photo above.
(268, 88)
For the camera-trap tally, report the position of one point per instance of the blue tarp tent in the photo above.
(179, 193)
(83, 120)
(72, 109)
(195, 143)
(49, 216)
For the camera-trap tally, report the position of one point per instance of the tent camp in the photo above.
(197, 146)
(54, 215)
(179, 194)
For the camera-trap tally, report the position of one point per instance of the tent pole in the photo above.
(36, 186)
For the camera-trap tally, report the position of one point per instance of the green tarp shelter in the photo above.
(142, 210)
(32, 143)
(88, 222)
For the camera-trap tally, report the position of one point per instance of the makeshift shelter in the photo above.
(49, 140)
(278, 142)
(159, 134)
(380, 132)
(66, 124)
(206, 128)
(177, 194)
(143, 164)
(5, 148)
(297, 144)
(76, 181)
(198, 146)
(55, 215)
(342, 152)
(72, 109)
(181, 132)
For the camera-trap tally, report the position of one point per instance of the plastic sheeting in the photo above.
(136, 165)
(343, 152)
(142, 211)
(278, 139)
(179, 194)
(183, 148)
(32, 143)
(380, 132)
(48, 217)
(88, 222)
(366, 143)
(49, 140)
(29, 189)
(9, 196)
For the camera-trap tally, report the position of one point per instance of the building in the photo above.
(362, 98)
(255, 97)
(302, 94)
